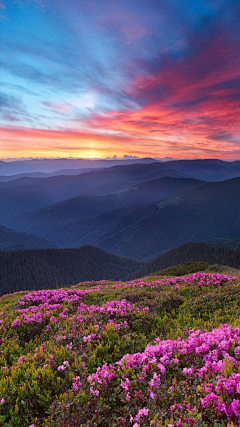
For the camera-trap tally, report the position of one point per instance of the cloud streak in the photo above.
(153, 78)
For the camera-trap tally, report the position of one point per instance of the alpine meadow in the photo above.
(119, 213)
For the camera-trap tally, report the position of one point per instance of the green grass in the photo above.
(36, 392)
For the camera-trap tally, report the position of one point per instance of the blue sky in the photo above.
(97, 77)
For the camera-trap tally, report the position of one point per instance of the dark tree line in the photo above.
(52, 268)
(190, 252)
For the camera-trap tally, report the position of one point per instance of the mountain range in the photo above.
(45, 220)
(37, 193)
(138, 210)
(28, 194)
(11, 240)
(52, 165)
(8, 178)
(206, 212)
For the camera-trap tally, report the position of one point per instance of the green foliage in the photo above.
(36, 392)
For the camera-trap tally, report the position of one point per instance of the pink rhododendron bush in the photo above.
(144, 353)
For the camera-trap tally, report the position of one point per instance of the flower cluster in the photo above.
(137, 354)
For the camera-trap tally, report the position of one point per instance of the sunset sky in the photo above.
(98, 78)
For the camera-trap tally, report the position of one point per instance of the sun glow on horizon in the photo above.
(110, 78)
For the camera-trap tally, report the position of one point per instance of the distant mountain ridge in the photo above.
(13, 240)
(203, 169)
(203, 213)
(45, 220)
(31, 194)
(38, 193)
(4, 180)
(52, 165)
(111, 207)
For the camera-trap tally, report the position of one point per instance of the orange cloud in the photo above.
(18, 142)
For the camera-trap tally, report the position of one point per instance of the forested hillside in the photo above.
(226, 243)
(190, 252)
(51, 268)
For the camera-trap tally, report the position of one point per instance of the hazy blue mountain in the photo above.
(45, 220)
(23, 181)
(123, 185)
(39, 193)
(81, 230)
(204, 213)
(59, 188)
(52, 165)
(21, 199)
(8, 178)
(206, 169)
(12, 240)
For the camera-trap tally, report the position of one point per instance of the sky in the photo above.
(97, 78)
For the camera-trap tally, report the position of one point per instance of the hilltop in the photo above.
(225, 243)
(51, 268)
(189, 253)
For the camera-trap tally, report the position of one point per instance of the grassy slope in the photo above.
(32, 386)
(193, 267)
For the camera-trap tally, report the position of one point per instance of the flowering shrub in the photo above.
(144, 353)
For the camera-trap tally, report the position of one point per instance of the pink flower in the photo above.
(96, 392)
(128, 397)
(142, 413)
(16, 322)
